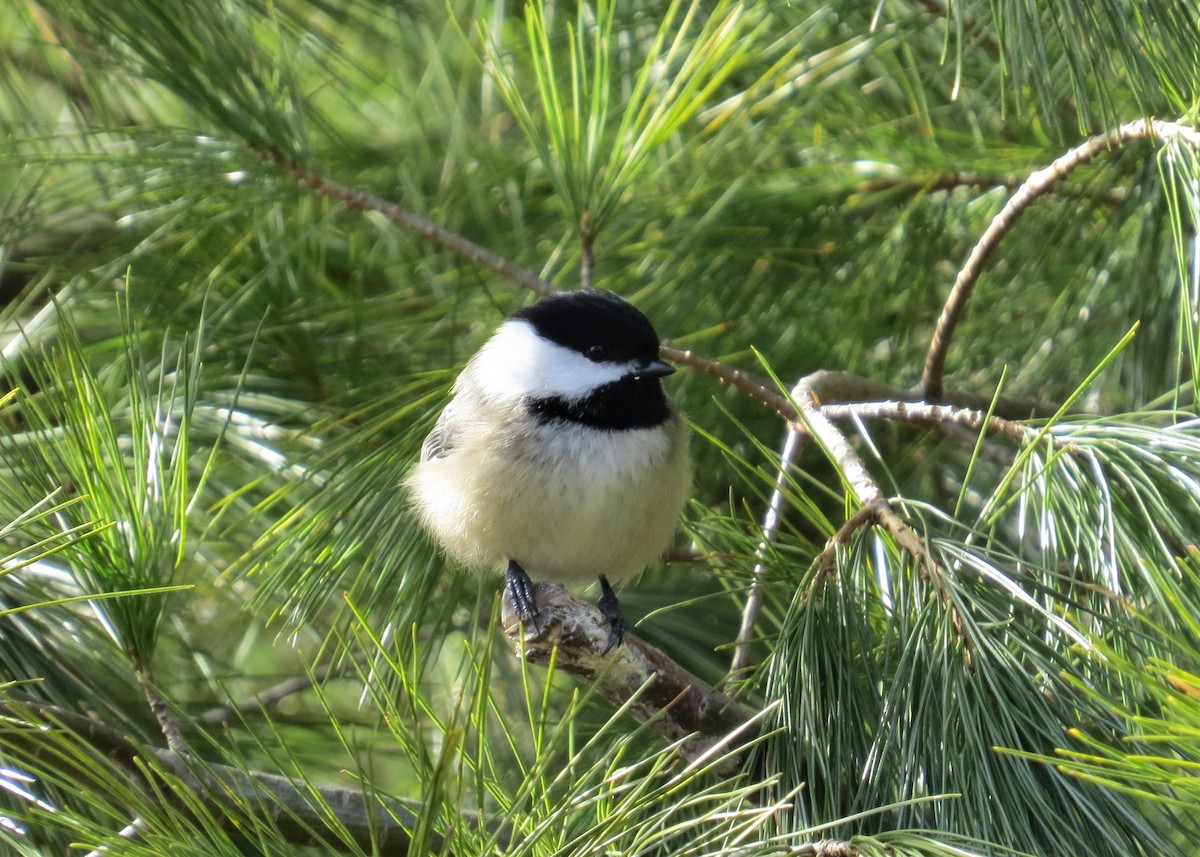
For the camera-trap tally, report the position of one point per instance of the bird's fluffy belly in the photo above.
(585, 514)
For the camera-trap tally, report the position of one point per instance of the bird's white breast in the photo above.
(566, 501)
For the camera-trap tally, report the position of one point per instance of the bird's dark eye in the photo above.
(597, 353)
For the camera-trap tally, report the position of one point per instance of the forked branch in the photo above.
(854, 471)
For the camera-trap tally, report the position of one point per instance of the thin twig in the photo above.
(749, 383)
(921, 413)
(1037, 184)
(587, 247)
(269, 696)
(847, 388)
(363, 200)
(871, 497)
(158, 705)
(828, 848)
(741, 648)
(825, 561)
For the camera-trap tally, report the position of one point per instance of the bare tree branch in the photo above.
(673, 702)
(835, 386)
(826, 559)
(363, 200)
(936, 416)
(222, 714)
(752, 385)
(853, 470)
(1037, 184)
(775, 508)
(158, 704)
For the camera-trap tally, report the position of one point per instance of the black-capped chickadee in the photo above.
(559, 456)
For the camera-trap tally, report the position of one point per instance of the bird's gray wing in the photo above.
(440, 442)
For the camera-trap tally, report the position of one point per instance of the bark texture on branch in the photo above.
(675, 703)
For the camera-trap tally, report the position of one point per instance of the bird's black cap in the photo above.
(598, 324)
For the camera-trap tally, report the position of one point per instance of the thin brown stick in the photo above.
(837, 386)
(847, 388)
(748, 383)
(775, 508)
(871, 496)
(1037, 184)
(363, 200)
(223, 714)
(587, 249)
(825, 559)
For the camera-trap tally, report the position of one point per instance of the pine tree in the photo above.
(931, 271)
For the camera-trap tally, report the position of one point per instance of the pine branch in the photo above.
(573, 635)
(363, 200)
(934, 416)
(835, 386)
(158, 704)
(826, 559)
(853, 470)
(1038, 183)
(296, 808)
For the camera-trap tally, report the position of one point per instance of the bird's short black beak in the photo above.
(655, 369)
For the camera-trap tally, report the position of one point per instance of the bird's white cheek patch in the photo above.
(517, 363)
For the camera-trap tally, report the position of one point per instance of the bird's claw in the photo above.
(520, 592)
(611, 610)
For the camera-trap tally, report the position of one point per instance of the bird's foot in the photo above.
(520, 593)
(611, 611)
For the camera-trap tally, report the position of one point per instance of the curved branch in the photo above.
(835, 386)
(1037, 184)
(223, 714)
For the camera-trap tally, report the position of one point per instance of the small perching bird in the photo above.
(559, 456)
